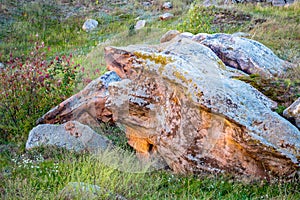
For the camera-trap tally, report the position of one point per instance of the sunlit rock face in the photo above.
(180, 102)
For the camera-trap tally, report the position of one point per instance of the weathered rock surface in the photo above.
(245, 54)
(71, 135)
(179, 101)
(293, 112)
(89, 25)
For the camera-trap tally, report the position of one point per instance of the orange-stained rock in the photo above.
(178, 101)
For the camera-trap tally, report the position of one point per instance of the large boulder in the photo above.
(293, 112)
(71, 135)
(179, 101)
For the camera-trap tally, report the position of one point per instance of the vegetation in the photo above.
(41, 174)
(29, 87)
(44, 41)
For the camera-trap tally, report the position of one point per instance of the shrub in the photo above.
(30, 86)
(199, 19)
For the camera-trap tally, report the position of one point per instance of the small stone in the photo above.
(167, 6)
(89, 25)
(140, 24)
(166, 16)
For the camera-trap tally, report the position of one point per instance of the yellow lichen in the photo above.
(182, 77)
(221, 64)
(157, 58)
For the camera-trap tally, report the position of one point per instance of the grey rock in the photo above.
(245, 54)
(166, 16)
(80, 190)
(140, 24)
(293, 112)
(89, 25)
(71, 135)
(167, 5)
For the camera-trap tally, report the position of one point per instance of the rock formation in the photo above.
(178, 100)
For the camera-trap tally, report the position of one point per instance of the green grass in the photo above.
(42, 173)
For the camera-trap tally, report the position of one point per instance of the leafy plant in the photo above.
(30, 86)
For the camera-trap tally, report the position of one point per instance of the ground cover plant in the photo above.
(42, 173)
